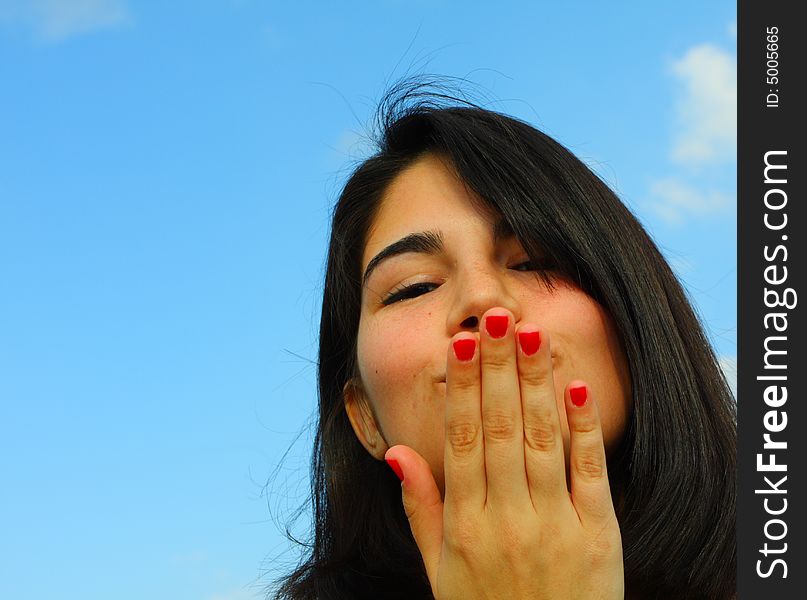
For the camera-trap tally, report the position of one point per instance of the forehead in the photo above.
(428, 195)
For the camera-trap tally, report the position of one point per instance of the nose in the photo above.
(479, 288)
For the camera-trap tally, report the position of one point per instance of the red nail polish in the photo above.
(579, 395)
(395, 467)
(530, 341)
(496, 325)
(464, 349)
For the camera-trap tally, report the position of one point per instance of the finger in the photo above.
(422, 503)
(543, 437)
(501, 410)
(464, 457)
(588, 473)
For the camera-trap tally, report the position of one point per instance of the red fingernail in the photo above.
(496, 325)
(464, 349)
(579, 395)
(530, 341)
(395, 467)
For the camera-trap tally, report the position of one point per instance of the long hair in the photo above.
(675, 468)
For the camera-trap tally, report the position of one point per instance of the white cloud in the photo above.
(706, 135)
(707, 108)
(729, 366)
(673, 200)
(56, 20)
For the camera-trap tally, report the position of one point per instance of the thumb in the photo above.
(422, 503)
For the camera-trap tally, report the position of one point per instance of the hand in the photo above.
(509, 527)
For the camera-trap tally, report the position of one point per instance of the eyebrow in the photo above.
(426, 242)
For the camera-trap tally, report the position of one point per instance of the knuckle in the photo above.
(544, 545)
(540, 436)
(584, 426)
(511, 540)
(461, 540)
(601, 508)
(462, 436)
(534, 377)
(589, 464)
(466, 382)
(497, 362)
(499, 426)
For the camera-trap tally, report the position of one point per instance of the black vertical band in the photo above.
(771, 170)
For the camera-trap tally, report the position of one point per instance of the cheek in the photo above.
(591, 351)
(617, 395)
(388, 362)
(614, 414)
(607, 369)
(398, 360)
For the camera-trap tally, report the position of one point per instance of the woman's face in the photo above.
(402, 346)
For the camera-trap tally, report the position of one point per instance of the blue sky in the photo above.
(166, 172)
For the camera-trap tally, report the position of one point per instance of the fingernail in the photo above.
(496, 325)
(464, 349)
(579, 395)
(395, 467)
(530, 341)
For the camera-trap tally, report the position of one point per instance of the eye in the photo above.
(528, 264)
(409, 291)
(413, 290)
(543, 264)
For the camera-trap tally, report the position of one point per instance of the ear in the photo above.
(363, 419)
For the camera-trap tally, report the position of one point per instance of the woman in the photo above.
(497, 326)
